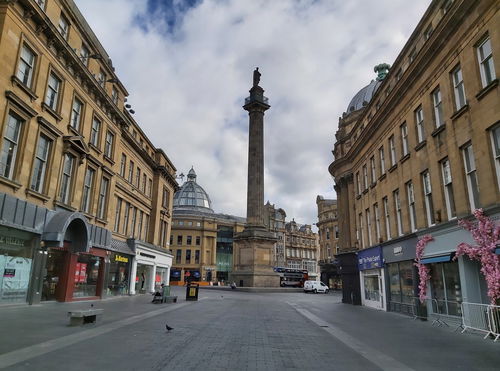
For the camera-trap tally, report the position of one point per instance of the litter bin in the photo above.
(192, 291)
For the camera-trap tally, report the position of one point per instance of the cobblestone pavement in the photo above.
(228, 330)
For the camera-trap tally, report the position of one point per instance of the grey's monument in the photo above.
(254, 246)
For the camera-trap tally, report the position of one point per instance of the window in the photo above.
(358, 183)
(392, 147)
(163, 232)
(76, 114)
(133, 212)
(101, 77)
(150, 187)
(362, 236)
(429, 207)
(165, 198)
(67, 174)
(419, 122)
(126, 218)
(189, 240)
(179, 240)
(171, 240)
(114, 95)
(411, 206)
(84, 54)
(118, 213)
(197, 256)
(495, 140)
(458, 87)
(486, 66)
(53, 86)
(198, 241)
(404, 139)
(470, 172)
(144, 180)
(382, 160)
(123, 163)
(131, 171)
(95, 131)
(146, 228)
(397, 206)
(108, 146)
(40, 164)
(365, 177)
(377, 222)
(63, 27)
(103, 194)
(448, 189)
(373, 170)
(428, 32)
(178, 255)
(368, 226)
(41, 3)
(26, 66)
(412, 55)
(139, 226)
(438, 107)
(87, 190)
(328, 233)
(138, 177)
(387, 216)
(188, 256)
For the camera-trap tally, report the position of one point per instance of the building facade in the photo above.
(302, 248)
(328, 234)
(274, 220)
(201, 240)
(85, 196)
(416, 150)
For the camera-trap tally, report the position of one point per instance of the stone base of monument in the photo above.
(253, 258)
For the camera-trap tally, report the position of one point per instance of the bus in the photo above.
(292, 277)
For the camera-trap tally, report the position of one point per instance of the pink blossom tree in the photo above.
(486, 235)
(424, 272)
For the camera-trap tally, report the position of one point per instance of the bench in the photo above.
(81, 317)
(164, 299)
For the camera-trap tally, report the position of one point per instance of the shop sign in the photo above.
(370, 258)
(120, 258)
(398, 250)
(8, 272)
(147, 255)
(11, 241)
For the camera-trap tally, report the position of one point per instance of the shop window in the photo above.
(86, 276)
(401, 282)
(446, 288)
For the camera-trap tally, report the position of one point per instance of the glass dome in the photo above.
(191, 195)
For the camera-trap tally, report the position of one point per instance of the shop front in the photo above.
(150, 267)
(452, 281)
(401, 275)
(16, 262)
(118, 274)
(371, 275)
(349, 274)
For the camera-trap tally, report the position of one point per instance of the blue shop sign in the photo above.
(370, 258)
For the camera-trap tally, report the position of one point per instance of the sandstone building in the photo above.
(416, 150)
(328, 234)
(85, 197)
(302, 248)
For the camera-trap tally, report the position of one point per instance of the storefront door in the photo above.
(373, 292)
(54, 276)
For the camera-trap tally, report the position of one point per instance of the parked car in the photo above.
(315, 286)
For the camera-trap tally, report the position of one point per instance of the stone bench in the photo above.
(166, 299)
(81, 317)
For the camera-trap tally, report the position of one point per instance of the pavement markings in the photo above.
(380, 359)
(23, 354)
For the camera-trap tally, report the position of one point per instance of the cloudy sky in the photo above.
(188, 64)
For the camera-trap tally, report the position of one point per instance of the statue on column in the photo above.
(256, 77)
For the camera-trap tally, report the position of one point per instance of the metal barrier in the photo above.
(481, 317)
(449, 312)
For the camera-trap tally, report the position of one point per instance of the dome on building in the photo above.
(192, 196)
(365, 95)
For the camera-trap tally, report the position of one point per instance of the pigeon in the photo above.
(168, 328)
(92, 305)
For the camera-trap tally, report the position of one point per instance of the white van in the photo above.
(316, 286)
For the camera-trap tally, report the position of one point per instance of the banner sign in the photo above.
(370, 258)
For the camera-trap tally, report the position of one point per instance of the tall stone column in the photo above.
(254, 246)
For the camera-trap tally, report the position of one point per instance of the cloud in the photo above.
(189, 68)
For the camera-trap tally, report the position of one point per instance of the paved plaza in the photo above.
(234, 330)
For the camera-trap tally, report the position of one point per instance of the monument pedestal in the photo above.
(253, 266)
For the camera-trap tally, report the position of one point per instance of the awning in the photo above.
(437, 259)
